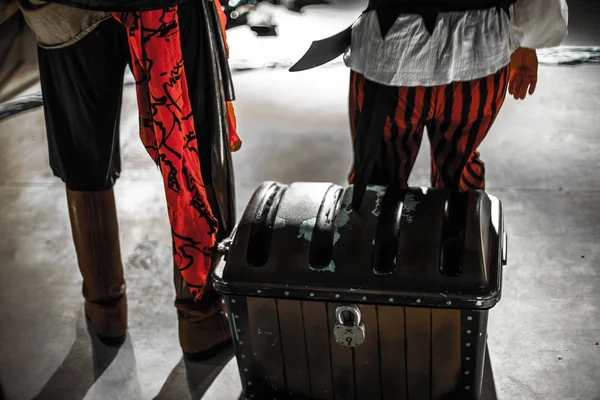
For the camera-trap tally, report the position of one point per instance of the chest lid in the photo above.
(423, 247)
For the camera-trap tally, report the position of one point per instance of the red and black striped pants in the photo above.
(457, 116)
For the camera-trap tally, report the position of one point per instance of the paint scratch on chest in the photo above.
(410, 207)
(279, 223)
(328, 268)
(343, 216)
(379, 192)
(306, 229)
(341, 220)
(235, 329)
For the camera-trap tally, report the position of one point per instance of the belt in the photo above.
(325, 50)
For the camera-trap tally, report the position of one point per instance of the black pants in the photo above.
(82, 88)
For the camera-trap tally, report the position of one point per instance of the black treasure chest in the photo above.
(386, 302)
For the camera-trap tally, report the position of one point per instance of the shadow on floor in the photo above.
(191, 379)
(86, 361)
(488, 390)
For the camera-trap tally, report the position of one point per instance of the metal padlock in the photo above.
(349, 330)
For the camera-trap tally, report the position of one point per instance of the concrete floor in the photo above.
(542, 162)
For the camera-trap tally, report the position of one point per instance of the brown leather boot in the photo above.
(203, 326)
(96, 237)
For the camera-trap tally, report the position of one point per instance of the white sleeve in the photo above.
(541, 23)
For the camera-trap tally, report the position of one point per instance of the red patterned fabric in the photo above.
(167, 131)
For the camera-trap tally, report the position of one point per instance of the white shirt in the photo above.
(56, 25)
(464, 45)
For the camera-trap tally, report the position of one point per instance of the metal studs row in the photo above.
(363, 298)
(240, 342)
(243, 356)
(249, 383)
(468, 345)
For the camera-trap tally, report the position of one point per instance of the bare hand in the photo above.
(523, 73)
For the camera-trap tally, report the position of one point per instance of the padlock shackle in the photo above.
(354, 310)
